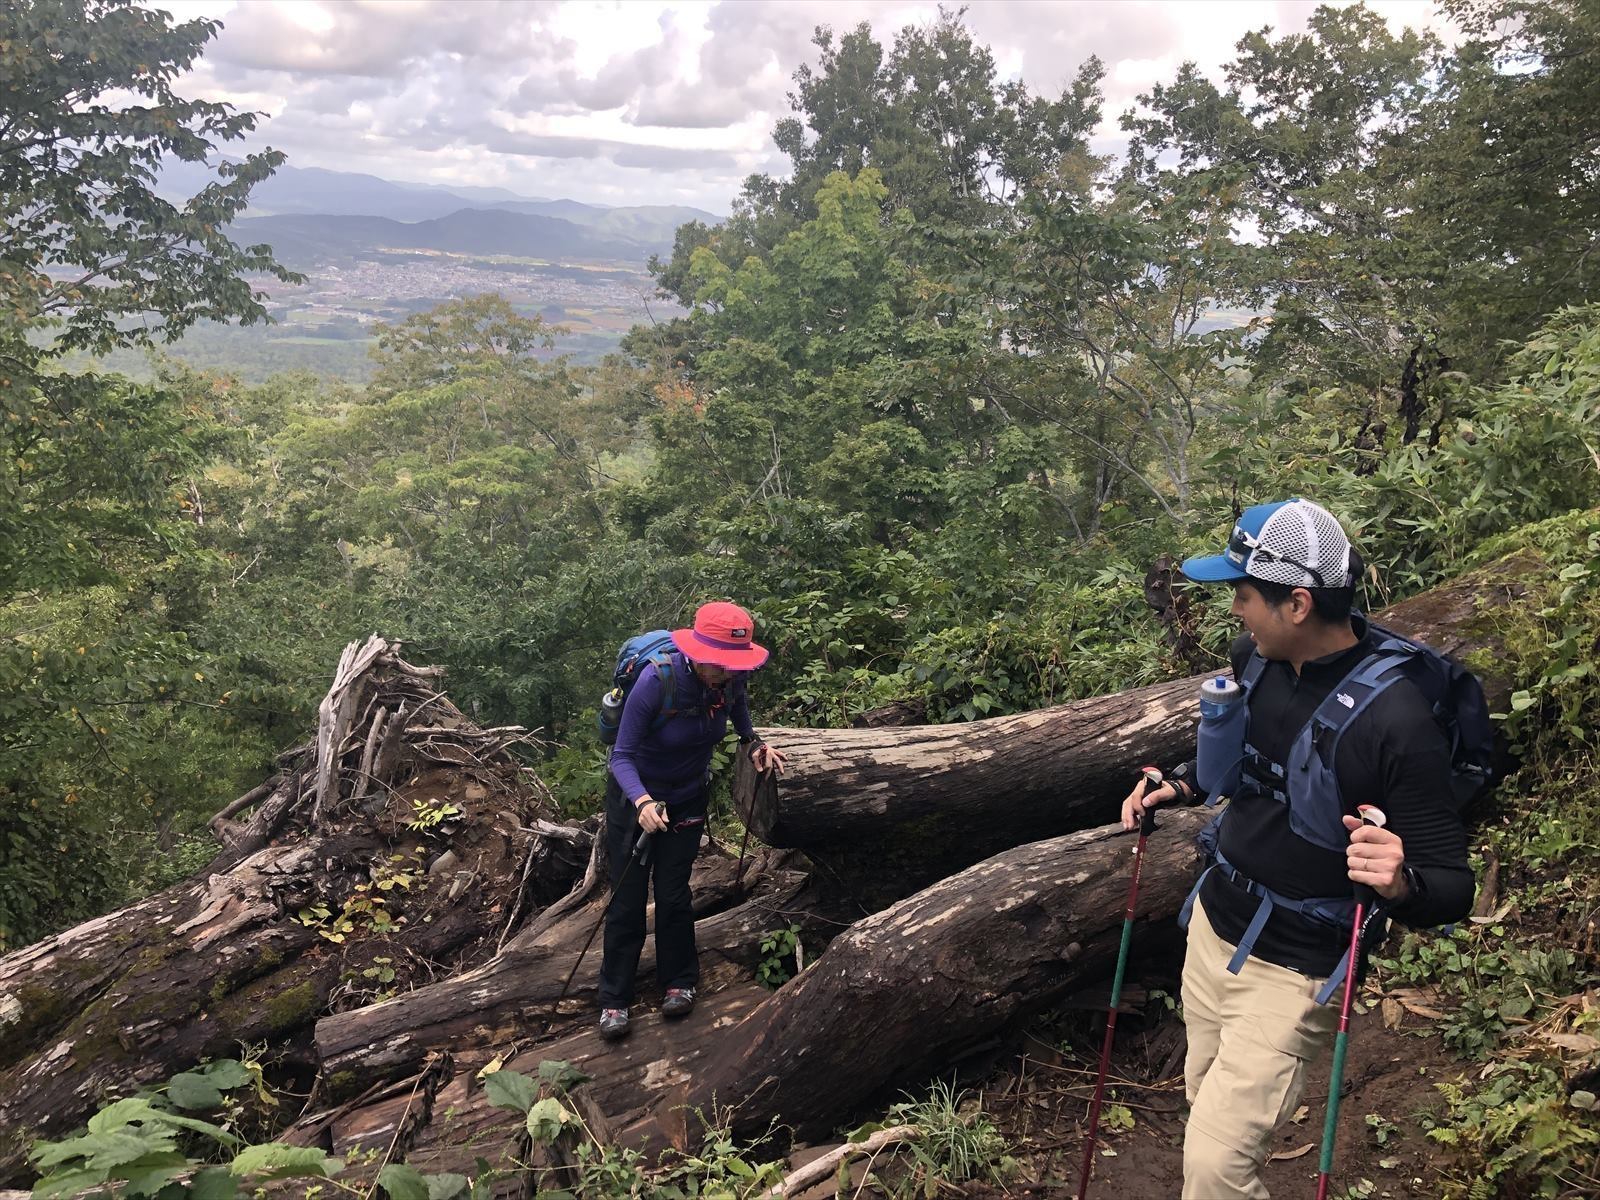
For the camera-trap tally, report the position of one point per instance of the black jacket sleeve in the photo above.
(1408, 758)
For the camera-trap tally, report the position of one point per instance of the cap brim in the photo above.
(1211, 568)
(744, 659)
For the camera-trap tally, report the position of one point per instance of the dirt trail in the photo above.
(1390, 1073)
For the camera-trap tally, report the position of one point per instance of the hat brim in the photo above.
(745, 658)
(1212, 568)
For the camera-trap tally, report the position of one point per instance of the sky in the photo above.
(640, 101)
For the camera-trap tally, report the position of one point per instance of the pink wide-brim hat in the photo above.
(722, 636)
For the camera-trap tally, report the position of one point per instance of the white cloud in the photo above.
(658, 100)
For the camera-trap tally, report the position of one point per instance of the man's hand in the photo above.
(1376, 857)
(1145, 795)
(766, 758)
(652, 814)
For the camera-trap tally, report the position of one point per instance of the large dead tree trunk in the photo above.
(625, 1080)
(890, 809)
(895, 997)
(513, 999)
(905, 991)
(252, 950)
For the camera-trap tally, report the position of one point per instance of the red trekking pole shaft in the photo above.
(1365, 899)
(1147, 823)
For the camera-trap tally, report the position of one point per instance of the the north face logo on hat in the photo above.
(739, 633)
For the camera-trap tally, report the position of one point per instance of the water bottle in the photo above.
(1220, 748)
(610, 718)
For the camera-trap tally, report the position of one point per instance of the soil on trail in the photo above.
(1042, 1106)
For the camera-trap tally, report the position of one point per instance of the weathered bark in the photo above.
(202, 968)
(625, 1080)
(226, 957)
(891, 809)
(907, 990)
(513, 998)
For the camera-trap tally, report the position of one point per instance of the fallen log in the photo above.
(898, 995)
(904, 992)
(624, 1080)
(512, 1000)
(302, 904)
(889, 809)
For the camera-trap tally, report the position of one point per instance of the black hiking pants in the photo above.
(672, 854)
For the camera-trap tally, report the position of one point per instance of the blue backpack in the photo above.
(1309, 785)
(637, 652)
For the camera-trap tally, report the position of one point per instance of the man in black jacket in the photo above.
(1265, 936)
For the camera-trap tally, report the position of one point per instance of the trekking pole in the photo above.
(1147, 824)
(1366, 900)
(640, 855)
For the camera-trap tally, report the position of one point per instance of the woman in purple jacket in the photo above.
(659, 783)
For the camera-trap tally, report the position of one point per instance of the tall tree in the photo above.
(1503, 171)
(89, 114)
(1299, 133)
(952, 143)
(97, 475)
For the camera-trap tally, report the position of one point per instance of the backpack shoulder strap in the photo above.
(1351, 695)
(1253, 668)
(661, 659)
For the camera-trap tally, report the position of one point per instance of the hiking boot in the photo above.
(613, 1023)
(679, 1002)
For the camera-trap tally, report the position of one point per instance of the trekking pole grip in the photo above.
(1147, 815)
(641, 847)
(1370, 814)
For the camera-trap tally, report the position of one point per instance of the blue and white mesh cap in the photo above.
(1293, 542)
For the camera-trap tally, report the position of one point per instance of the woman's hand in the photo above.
(767, 758)
(652, 814)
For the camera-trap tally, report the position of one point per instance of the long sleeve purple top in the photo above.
(669, 761)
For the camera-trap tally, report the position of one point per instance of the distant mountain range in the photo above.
(308, 214)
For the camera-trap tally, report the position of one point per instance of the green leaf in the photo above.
(560, 1074)
(227, 1073)
(402, 1182)
(508, 1089)
(274, 1160)
(120, 1115)
(215, 1132)
(446, 1186)
(149, 1179)
(192, 1090)
(213, 1183)
(1522, 701)
(103, 1150)
(546, 1118)
(67, 1183)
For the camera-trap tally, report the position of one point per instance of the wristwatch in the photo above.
(1415, 888)
(1178, 777)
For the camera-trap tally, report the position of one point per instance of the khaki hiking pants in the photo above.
(1250, 1038)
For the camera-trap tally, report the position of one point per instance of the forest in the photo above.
(950, 393)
